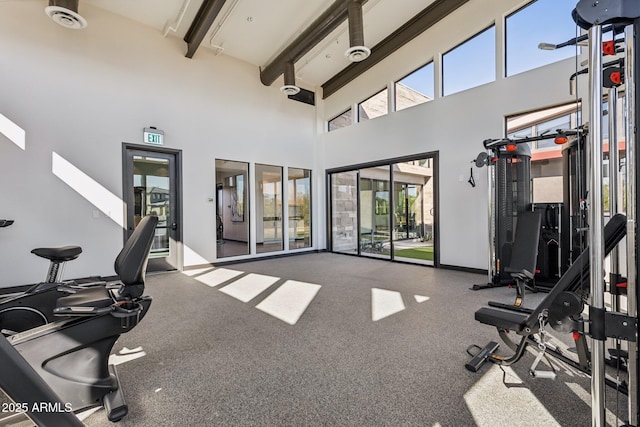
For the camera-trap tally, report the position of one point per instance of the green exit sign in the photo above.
(153, 136)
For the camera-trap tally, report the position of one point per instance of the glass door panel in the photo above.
(413, 211)
(299, 208)
(151, 191)
(375, 212)
(269, 235)
(344, 212)
(232, 213)
(150, 187)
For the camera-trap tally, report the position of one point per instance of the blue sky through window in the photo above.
(470, 64)
(421, 80)
(547, 21)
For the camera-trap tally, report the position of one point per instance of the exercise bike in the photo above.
(24, 309)
(71, 354)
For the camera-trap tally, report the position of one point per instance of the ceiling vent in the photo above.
(289, 88)
(358, 51)
(65, 13)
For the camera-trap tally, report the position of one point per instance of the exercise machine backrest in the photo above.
(525, 245)
(578, 272)
(131, 263)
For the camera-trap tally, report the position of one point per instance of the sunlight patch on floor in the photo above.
(385, 303)
(126, 355)
(218, 276)
(196, 271)
(487, 401)
(420, 298)
(289, 301)
(248, 287)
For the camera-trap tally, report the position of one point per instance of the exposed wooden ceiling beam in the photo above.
(330, 19)
(410, 30)
(201, 24)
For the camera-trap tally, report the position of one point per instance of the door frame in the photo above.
(433, 155)
(127, 171)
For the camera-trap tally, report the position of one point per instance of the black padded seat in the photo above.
(64, 253)
(130, 264)
(512, 320)
(92, 296)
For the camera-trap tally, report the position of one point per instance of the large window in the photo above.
(342, 120)
(299, 208)
(416, 88)
(269, 235)
(376, 106)
(470, 64)
(232, 213)
(542, 21)
(546, 159)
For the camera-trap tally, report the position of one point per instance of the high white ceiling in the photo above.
(256, 31)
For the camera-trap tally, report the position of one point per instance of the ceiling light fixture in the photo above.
(357, 51)
(65, 13)
(289, 88)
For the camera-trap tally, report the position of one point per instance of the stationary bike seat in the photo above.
(64, 253)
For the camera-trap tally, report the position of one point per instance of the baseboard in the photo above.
(465, 269)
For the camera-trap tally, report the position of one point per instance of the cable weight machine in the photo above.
(592, 15)
(509, 194)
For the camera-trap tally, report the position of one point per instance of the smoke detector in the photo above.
(65, 13)
(357, 53)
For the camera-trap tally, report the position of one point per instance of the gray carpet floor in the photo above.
(379, 344)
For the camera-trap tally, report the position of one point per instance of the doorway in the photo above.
(386, 209)
(151, 186)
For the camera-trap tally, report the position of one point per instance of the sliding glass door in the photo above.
(344, 213)
(413, 211)
(375, 212)
(386, 210)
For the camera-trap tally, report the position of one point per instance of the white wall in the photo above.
(455, 125)
(80, 94)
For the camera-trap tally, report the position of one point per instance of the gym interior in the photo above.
(330, 212)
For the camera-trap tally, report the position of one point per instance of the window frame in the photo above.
(444, 54)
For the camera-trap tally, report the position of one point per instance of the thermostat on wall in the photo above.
(154, 136)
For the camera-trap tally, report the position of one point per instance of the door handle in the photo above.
(174, 225)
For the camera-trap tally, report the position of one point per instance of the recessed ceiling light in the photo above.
(249, 18)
